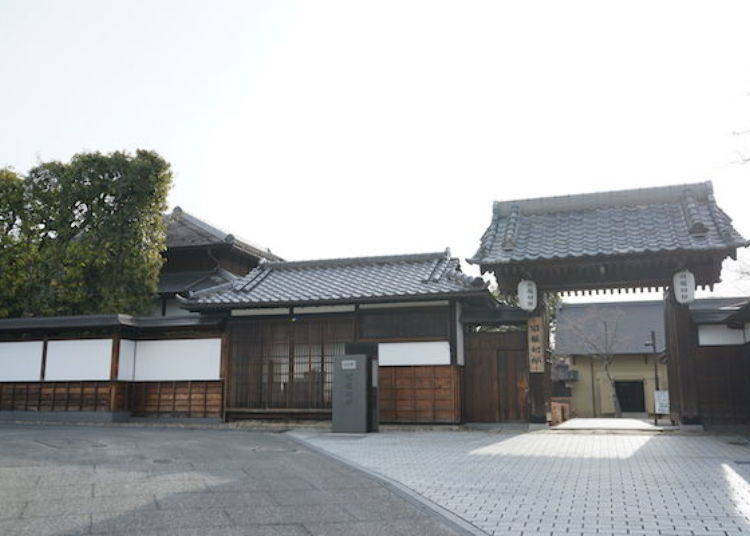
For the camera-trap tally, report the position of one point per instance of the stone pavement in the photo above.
(65, 480)
(643, 425)
(556, 483)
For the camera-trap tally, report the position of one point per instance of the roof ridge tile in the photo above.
(345, 261)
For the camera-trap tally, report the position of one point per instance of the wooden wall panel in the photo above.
(120, 396)
(183, 398)
(177, 398)
(420, 394)
(724, 385)
(708, 385)
(55, 396)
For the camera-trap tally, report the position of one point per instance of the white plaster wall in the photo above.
(414, 353)
(21, 361)
(86, 359)
(720, 335)
(186, 359)
(126, 369)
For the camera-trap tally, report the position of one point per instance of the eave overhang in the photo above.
(481, 294)
(643, 271)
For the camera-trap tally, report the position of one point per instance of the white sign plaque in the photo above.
(661, 402)
(348, 364)
(527, 295)
(683, 283)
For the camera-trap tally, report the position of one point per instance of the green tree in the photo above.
(17, 252)
(94, 230)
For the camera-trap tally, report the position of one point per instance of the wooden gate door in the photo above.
(496, 377)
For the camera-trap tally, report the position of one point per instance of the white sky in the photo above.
(348, 128)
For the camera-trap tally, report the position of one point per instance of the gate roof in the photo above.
(591, 240)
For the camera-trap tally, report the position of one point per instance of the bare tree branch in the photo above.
(604, 348)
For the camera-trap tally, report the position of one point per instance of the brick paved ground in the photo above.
(64, 480)
(568, 484)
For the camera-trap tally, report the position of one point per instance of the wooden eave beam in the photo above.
(624, 272)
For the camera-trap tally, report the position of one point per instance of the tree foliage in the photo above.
(83, 237)
(17, 254)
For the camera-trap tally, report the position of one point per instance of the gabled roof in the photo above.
(351, 280)
(663, 219)
(741, 315)
(716, 310)
(193, 281)
(186, 231)
(580, 327)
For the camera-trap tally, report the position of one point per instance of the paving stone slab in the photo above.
(532, 483)
(224, 499)
(160, 520)
(88, 505)
(265, 515)
(67, 480)
(47, 526)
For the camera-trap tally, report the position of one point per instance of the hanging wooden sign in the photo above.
(536, 334)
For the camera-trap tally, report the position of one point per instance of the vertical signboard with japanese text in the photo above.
(536, 336)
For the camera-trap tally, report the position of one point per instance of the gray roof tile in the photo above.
(337, 280)
(185, 230)
(670, 218)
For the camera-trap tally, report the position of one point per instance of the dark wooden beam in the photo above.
(114, 371)
(628, 272)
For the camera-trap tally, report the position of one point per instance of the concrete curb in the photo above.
(457, 523)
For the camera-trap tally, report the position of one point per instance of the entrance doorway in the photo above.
(496, 377)
(631, 397)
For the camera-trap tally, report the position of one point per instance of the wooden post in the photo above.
(681, 366)
(452, 335)
(114, 369)
(224, 370)
(43, 370)
(539, 391)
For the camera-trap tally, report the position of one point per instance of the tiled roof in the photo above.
(192, 281)
(669, 218)
(716, 310)
(580, 327)
(397, 277)
(741, 315)
(185, 230)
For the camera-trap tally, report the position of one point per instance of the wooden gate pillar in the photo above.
(681, 366)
